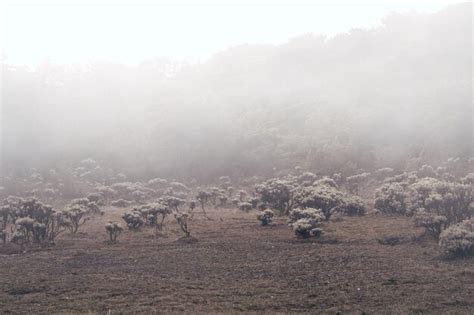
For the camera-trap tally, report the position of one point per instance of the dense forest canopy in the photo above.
(398, 95)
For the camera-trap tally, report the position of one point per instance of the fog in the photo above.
(398, 94)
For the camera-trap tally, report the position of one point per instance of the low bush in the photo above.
(265, 217)
(458, 239)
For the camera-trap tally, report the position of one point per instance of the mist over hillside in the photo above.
(398, 95)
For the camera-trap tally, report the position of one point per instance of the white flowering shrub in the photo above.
(326, 198)
(218, 196)
(245, 206)
(433, 223)
(177, 186)
(154, 214)
(354, 182)
(325, 181)
(134, 220)
(136, 191)
(76, 216)
(91, 207)
(352, 206)
(113, 230)
(31, 220)
(265, 217)
(172, 202)
(121, 203)
(106, 193)
(157, 183)
(452, 200)
(468, 179)
(458, 239)
(96, 198)
(307, 177)
(305, 228)
(278, 194)
(305, 222)
(404, 179)
(392, 198)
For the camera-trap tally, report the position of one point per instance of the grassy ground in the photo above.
(238, 266)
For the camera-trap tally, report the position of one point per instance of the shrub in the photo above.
(305, 222)
(354, 182)
(434, 224)
(172, 202)
(33, 221)
(458, 240)
(352, 205)
(245, 206)
(106, 192)
(391, 198)
(121, 203)
(222, 200)
(308, 213)
(151, 212)
(326, 181)
(322, 197)
(113, 229)
(133, 220)
(96, 198)
(179, 187)
(452, 200)
(278, 194)
(157, 183)
(468, 179)
(254, 202)
(182, 220)
(91, 207)
(305, 228)
(76, 215)
(265, 217)
(203, 197)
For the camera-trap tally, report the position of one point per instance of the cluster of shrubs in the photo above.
(25, 221)
(438, 201)
(307, 200)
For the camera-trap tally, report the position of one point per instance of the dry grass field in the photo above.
(238, 266)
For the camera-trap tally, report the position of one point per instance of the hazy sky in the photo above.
(131, 31)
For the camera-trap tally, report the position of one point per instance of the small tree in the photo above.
(182, 220)
(113, 229)
(203, 197)
(76, 216)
